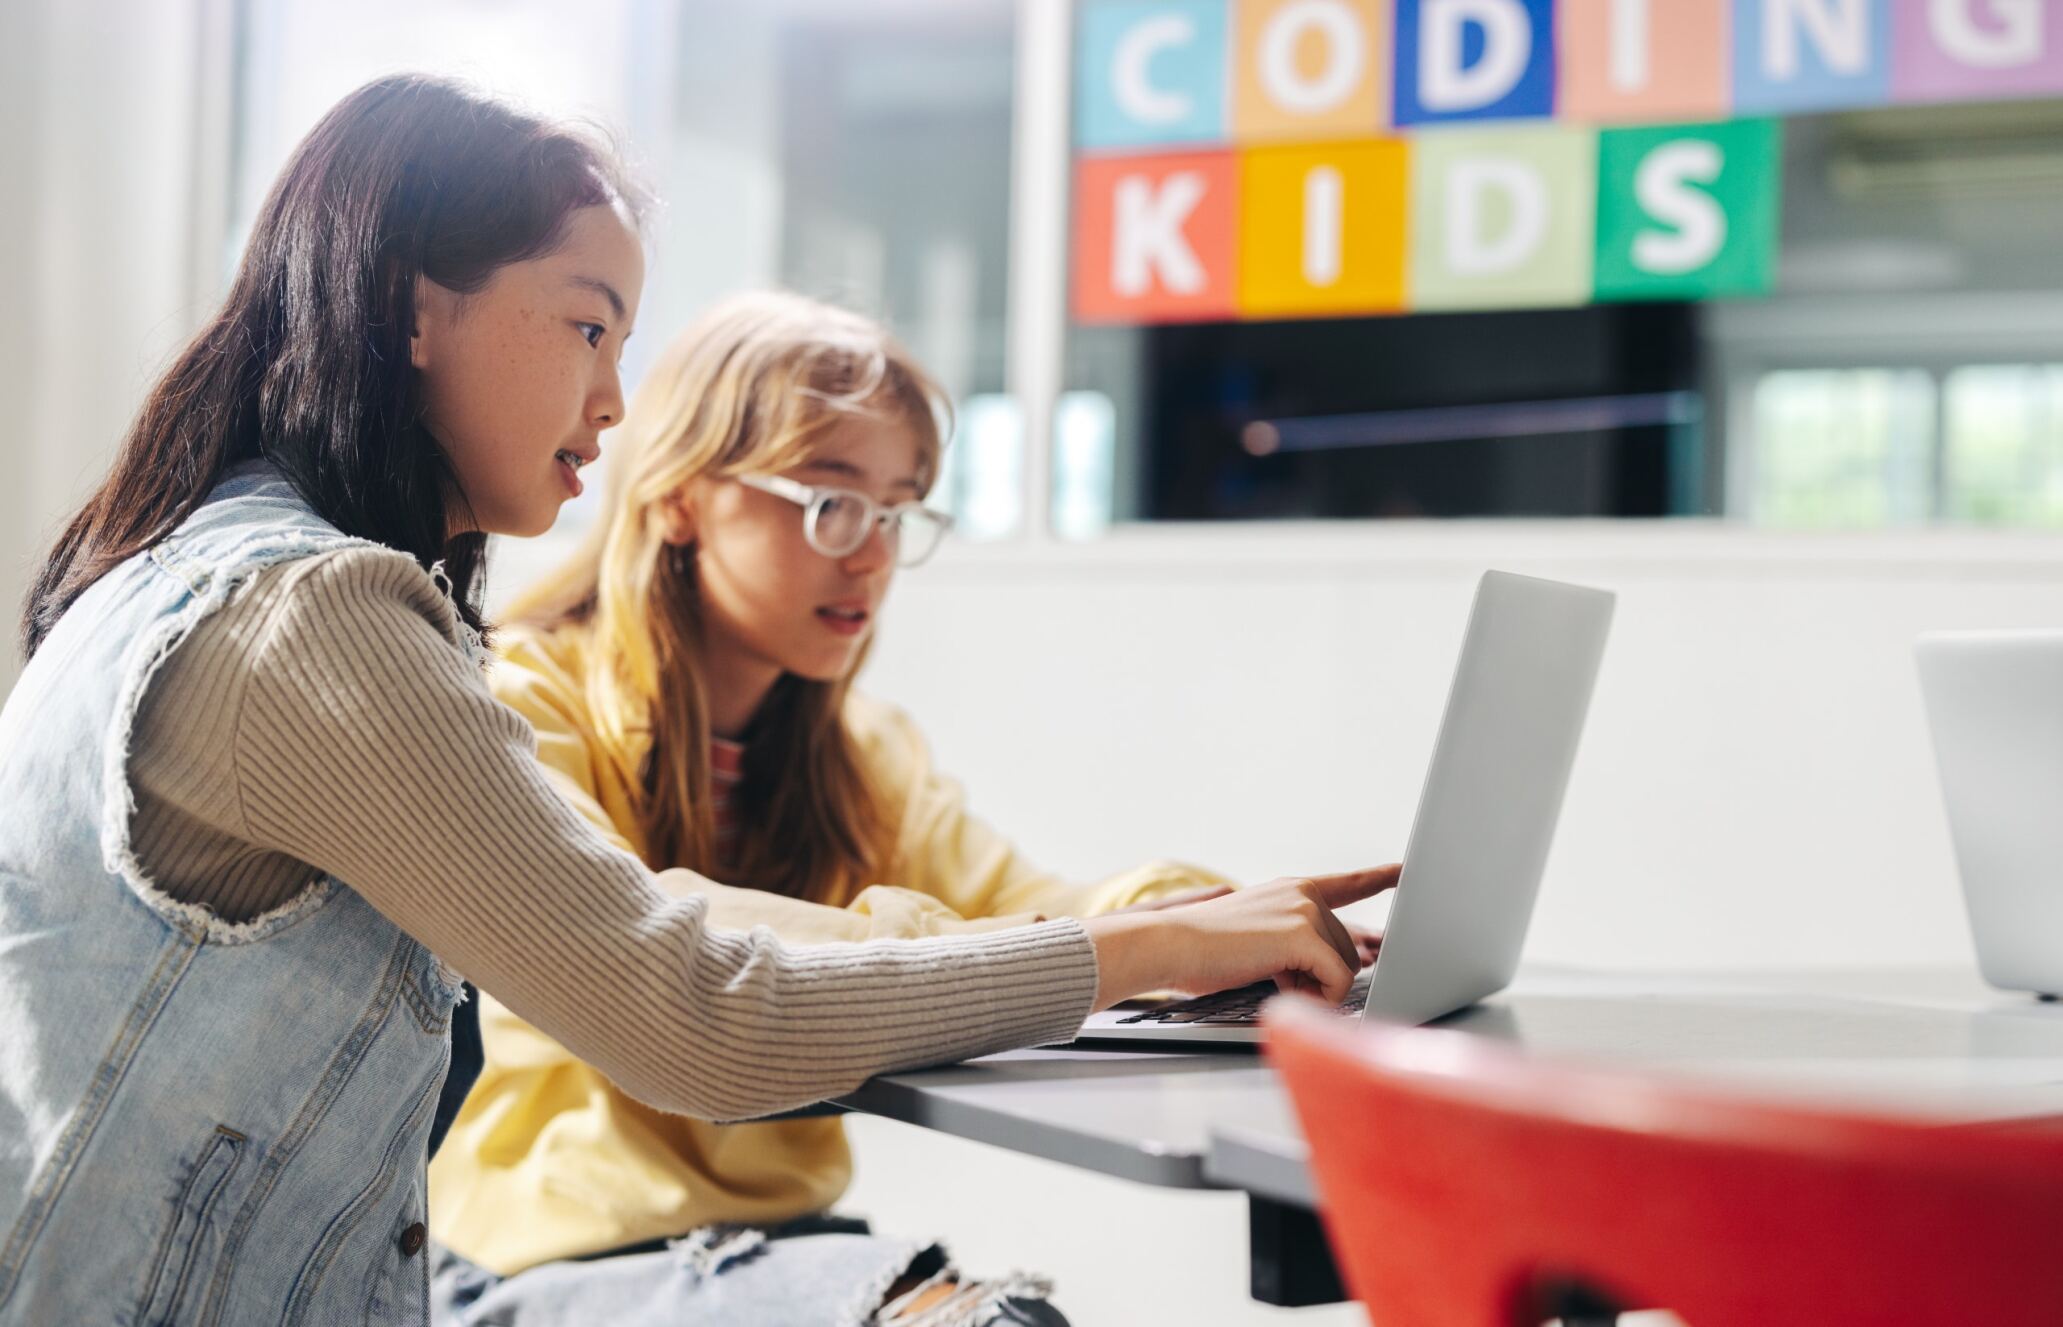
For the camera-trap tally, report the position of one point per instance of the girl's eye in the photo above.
(592, 333)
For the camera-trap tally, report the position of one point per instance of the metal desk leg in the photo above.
(1291, 1262)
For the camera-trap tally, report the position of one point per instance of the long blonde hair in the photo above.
(749, 388)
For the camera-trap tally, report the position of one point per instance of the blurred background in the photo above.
(1148, 639)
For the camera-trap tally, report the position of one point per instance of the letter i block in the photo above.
(1643, 61)
(1976, 50)
(1322, 229)
(1154, 237)
(1503, 218)
(1688, 212)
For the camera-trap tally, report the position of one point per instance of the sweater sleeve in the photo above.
(369, 747)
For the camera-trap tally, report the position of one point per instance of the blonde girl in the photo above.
(690, 677)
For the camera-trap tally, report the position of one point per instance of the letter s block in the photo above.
(1689, 211)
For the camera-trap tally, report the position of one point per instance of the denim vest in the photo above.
(200, 1122)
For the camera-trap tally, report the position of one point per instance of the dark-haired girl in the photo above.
(258, 811)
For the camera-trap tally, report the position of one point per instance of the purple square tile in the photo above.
(1976, 50)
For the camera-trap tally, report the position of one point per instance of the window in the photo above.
(1844, 448)
(856, 153)
(883, 143)
(1974, 444)
(2005, 445)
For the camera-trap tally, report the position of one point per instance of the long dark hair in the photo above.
(307, 363)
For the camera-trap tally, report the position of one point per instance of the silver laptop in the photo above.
(1995, 706)
(1486, 816)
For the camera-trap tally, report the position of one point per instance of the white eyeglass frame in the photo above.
(811, 498)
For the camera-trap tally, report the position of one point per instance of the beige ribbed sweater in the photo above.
(324, 722)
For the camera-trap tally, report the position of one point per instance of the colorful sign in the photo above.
(1299, 158)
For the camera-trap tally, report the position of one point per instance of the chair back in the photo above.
(1465, 1182)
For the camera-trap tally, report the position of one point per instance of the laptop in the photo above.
(1995, 707)
(1479, 841)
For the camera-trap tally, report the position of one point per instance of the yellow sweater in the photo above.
(549, 1159)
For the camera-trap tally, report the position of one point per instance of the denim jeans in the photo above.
(815, 1272)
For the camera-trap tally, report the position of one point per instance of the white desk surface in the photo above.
(1934, 1041)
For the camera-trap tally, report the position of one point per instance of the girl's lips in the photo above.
(571, 476)
(845, 624)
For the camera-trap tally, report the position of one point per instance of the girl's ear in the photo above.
(435, 307)
(676, 518)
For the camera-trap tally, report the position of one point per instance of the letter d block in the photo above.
(1502, 218)
(1155, 237)
(1688, 212)
(1474, 60)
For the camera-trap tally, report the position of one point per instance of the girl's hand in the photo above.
(1283, 930)
(1367, 940)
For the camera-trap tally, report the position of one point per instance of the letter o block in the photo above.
(1311, 69)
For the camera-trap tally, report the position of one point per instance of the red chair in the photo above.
(1462, 1182)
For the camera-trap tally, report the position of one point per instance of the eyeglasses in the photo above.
(836, 521)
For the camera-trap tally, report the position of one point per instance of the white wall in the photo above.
(97, 246)
(1755, 785)
(20, 155)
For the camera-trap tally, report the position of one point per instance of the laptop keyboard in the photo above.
(1240, 1007)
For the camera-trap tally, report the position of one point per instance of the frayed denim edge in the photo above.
(975, 1304)
(869, 1299)
(118, 853)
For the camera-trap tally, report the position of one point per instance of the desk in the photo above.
(1934, 1041)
